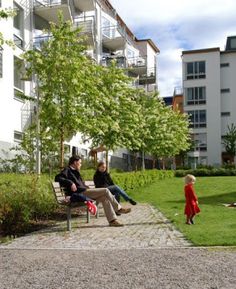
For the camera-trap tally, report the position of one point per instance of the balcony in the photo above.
(149, 77)
(39, 41)
(84, 5)
(120, 60)
(113, 37)
(87, 24)
(27, 115)
(48, 9)
(137, 65)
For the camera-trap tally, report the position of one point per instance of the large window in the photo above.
(197, 118)
(1, 61)
(195, 70)
(19, 26)
(195, 95)
(18, 66)
(108, 29)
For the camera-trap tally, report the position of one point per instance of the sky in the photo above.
(178, 25)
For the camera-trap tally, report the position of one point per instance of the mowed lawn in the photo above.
(215, 225)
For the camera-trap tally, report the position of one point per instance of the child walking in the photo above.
(191, 201)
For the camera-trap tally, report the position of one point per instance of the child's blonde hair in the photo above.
(189, 179)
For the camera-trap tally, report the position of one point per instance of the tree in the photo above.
(164, 132)
(229, 140)
(5, 14)
(62, 69)
(112, 114)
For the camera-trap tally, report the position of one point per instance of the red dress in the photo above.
(191, 207)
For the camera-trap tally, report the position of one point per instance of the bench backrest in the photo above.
(59, 192)
(90, 184)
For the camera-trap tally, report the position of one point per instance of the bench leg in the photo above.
(68, 212)
(97, 215)
(88, 216)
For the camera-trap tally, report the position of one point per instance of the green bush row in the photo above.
(206, 172)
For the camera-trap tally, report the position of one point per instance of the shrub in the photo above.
(23, 198)
(206, 172)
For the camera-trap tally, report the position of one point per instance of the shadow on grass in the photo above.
(226, 198)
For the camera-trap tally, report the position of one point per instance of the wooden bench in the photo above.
(59, 194)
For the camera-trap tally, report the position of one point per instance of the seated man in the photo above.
(71, 179)
(102, 179)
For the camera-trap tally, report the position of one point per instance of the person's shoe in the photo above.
(115, 223)
(132, 202)
(188, 223)
(118, 214)
(191, 221)
(124, 211)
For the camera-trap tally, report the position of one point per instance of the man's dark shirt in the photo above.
(102, 179)
(70, 176)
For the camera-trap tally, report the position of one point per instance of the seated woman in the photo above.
(102, 179)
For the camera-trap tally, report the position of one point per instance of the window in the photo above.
(18, 136)
(200, 141)
(196, 70)
(18, 67)
(1, 50)
(225, 90)
(19, 26)
(197, 118)
(108, 29)
(196, 95)
(226, 113)
(224, 65)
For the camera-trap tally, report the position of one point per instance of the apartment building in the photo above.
(210, 98)
(108, 37)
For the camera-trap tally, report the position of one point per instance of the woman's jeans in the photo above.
(117, 192)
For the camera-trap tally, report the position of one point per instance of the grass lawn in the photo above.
(215, 225)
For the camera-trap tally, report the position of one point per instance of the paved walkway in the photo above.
(145, 227)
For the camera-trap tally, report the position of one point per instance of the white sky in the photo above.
(177, 25)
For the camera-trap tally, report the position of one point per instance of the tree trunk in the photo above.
(62, 151)
(136, 162)
(107, 162)
(143, 160)
(154, 163)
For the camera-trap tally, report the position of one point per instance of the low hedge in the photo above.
(26, 198)
(206, 172)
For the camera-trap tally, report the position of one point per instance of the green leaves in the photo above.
(77, 95)
(229, 140)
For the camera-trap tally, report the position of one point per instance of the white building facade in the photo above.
(210, 98)
(108, 38)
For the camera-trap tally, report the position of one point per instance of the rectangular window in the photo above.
(197, 118)
(108, 29)
(226, 113)
(18, 68)
(196, 70)
(1, 51)
(224, 65)
(200, 141)
(18, 136)
(196, 95)
(225, 90)
(18, 26)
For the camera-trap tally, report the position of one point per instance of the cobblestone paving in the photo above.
(145, 227)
